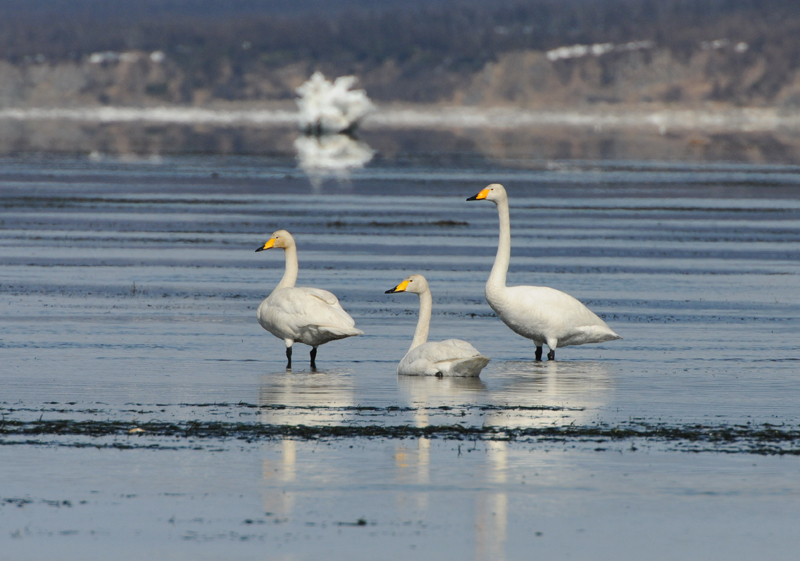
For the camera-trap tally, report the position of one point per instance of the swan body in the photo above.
(301, 314)
(545, 315)
(452, 357)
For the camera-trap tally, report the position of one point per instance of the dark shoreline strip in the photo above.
(758, 439)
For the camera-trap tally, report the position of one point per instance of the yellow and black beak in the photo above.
(480, 196)
(399, 288)
(269, 245)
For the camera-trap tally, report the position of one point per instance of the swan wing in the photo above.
(569, 308)
(540, 312)
(309, 315)
(324, 295)
(456, 348)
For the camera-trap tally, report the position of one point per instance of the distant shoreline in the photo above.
(661, 118)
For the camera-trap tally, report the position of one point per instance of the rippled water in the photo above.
(129, 291)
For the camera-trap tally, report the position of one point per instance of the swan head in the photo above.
(494, 192)
(281, 239)
(415, 284)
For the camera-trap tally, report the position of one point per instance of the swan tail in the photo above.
(465, 367)
(340, 332)
(599, 334)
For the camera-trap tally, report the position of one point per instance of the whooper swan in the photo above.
(452, 357)
(309, 315)
(540, 313)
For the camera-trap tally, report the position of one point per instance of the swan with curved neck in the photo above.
(545, 315)
(301, 314)
(452, 357)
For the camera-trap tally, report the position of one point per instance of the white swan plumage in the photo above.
(452, 357)
(301, 314)
(545, 315)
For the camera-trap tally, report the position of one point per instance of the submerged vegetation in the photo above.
(749, 438)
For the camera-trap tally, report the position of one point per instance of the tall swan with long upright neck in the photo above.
(301, 314)
(452, 357)
(542, 314)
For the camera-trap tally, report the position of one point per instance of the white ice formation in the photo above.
(331, 107)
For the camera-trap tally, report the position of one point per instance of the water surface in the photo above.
(129, 293)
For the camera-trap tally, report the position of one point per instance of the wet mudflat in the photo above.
(145, 412)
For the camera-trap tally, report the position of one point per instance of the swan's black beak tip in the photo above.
(259, 249)
(473, 198)
(390, 291)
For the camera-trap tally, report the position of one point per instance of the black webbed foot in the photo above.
(551, 355)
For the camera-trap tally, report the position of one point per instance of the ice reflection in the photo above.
(332, 156)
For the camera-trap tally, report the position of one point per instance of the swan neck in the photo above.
(424, 323)
(497, 279)
(290, 274)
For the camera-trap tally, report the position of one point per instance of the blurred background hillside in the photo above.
(531, 54)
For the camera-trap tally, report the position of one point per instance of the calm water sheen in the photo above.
(129, 291)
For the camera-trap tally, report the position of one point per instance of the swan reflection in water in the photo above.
(303, 398)
(413, 463)
(425, 391)
(513, 394)
(419, 467)
(331, 156)
(426, 394)
(579, 387)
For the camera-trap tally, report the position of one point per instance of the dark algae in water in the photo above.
(750, 438)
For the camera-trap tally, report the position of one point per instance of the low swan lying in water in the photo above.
(452, 357)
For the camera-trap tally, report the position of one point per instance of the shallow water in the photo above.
(129, 294)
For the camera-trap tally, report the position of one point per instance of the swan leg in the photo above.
(538, 352)
(552, 343)
(289, 343)
(313, 358)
